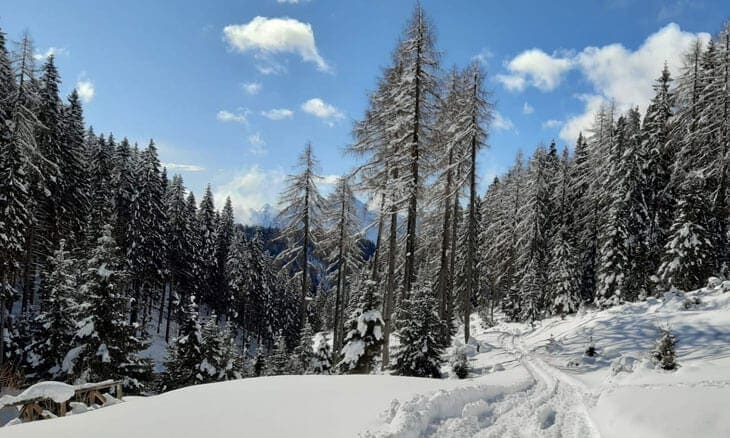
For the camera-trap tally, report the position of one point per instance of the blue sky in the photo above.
(231, 99)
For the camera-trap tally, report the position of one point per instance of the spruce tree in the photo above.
(687, 260)
(218, 352)
(364, 337)
(106, 345)
(304, 353)
(420, 351)
(278, 362)
(322, 358)
(223, 237)
(54, 327)
(185, 354)
(14, 214)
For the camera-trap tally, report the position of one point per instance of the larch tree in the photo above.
(302, 219)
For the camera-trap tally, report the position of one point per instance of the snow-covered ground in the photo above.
(527, 382)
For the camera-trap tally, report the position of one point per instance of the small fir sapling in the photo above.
(459, 362)
(664, 353)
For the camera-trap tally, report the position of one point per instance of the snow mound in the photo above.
(59, 392)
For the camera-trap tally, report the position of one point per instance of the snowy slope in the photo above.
(302, 406)
(619, 393)
(528, 381)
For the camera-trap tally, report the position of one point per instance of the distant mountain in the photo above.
(267, 216)
(367, 218)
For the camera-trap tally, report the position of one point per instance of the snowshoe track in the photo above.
(551, 405)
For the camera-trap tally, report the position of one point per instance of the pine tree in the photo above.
(278, 361)
(322, 358)
(49, 137)
(185, 354)
(659, 151)
(532, 229)
(364, 337)
(105, 344)
(688, 254)
(304, 355)
(218, 352)
(14, 214)
(664, 352)
(207, 226)
(145, 233)
(179, 248)
(563, 279)
(100, 155)
(223, 236)
(54, 328)
(124, 184)
(75, 190)
(420, 351)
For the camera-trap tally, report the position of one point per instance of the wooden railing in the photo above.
(89, 394)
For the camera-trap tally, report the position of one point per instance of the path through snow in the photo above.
(546, 402)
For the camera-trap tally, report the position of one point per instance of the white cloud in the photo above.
(319, 108)
(537, 68)
(258, 145)
(240, 116)
(267, 36)
(501, 123)
(85, 89)
(624, 76)
(552, 123)
(278, 114)
(183, 167)
(615, 73)
(252, 87)
(250, 189)
(627, 76)
(55, 51)
(580, 123)
(527, 108)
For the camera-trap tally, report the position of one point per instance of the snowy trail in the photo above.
(547, 403)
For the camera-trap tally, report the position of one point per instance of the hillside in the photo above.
(526, 382)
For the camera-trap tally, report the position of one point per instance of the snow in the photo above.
(71, 357)
(303, 406)
(56, 391)
(528, 381)
(352, 351)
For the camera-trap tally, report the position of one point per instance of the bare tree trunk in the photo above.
(409, 273)
(341, 265)
(169, 313)
(445, 243)
(388, 297)
(2, 320)
(305, 257)
(470, 288)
